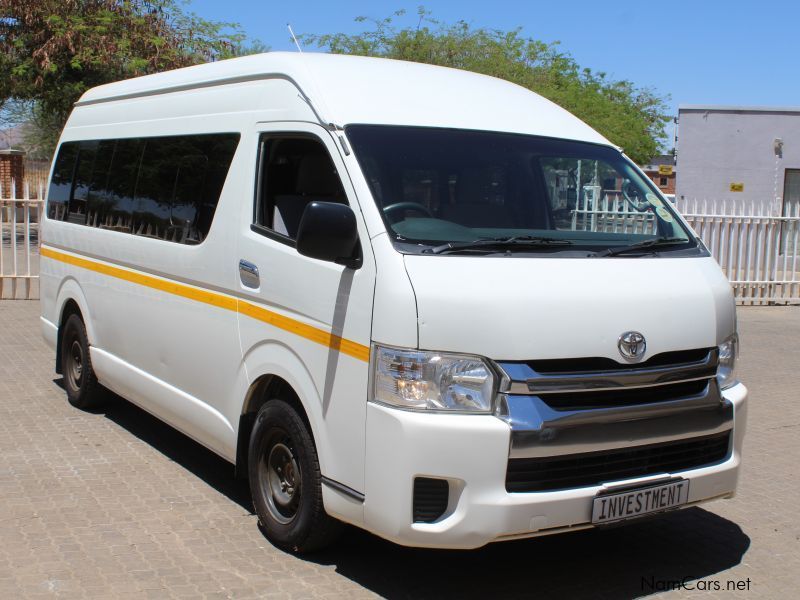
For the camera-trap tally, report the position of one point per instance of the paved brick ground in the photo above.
(116, 504)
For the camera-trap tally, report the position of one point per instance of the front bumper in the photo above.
(472, 453)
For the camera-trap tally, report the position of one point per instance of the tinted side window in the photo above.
(61, 183)
(180, 181)
(294, 171)
(116, 210)
(191, 212)
(87, 153)
(98, 198)
(165, 188)
(201, 179)
(155, 188)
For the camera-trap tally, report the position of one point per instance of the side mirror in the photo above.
(327, 231)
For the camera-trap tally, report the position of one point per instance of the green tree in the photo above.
(39, 130)
(629, 116)
(52, 51)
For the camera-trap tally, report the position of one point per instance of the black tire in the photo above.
(286, 483)
(80, 381)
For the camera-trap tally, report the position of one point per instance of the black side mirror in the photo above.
(328, 231)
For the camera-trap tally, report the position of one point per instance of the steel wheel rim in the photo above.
(75, 362)
(280, 478)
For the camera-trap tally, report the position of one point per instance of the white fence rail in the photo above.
(757, 247)
(612, 214)
(19, 243)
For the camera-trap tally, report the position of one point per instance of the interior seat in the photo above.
(317, 179)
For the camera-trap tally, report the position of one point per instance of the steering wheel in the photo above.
(398, 206)
(631, 194)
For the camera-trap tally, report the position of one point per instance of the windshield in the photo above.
(443, 189)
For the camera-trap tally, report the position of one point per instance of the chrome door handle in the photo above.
(248, 273)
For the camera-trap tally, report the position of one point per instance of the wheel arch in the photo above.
(71, 300)
(265, 388)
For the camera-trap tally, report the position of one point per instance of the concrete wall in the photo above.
(718, 146)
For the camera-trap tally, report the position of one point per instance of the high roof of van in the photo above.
(354, 89)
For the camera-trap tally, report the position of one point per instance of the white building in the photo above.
(750, 154)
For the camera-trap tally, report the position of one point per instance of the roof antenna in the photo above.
(294, 38)
(328, 124)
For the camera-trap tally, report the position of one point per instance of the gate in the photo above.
(19, 242)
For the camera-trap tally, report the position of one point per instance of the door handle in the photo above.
(248, 274)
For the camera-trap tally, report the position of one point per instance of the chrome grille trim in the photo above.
(524, 380)
(538, 431)
(572, 406)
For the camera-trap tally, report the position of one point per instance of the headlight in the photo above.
(432, 380)
(728, 350)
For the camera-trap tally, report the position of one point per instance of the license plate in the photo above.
(608, 508)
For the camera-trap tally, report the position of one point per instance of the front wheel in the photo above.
(285, 481)
(80, 381)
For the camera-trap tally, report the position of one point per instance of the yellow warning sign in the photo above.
(665, 169)
(737, 187)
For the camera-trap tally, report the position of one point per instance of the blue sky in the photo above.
(700, 52)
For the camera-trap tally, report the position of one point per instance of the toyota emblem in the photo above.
(631, 344)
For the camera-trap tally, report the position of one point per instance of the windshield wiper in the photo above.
(526, 241)
(659, 241)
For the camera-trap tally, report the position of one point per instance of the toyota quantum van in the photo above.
(425, 302)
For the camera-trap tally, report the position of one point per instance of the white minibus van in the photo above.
(422, 301)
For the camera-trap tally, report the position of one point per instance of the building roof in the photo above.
(355, 89)
(661, 159)
(726, 108)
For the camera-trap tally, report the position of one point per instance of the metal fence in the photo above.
(611, 214)
(20, 214)
(757, 246)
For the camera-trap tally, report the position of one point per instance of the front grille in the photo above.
(626, 397)
(430, 499)
(599, 364)
(581, 384)
(594, 468)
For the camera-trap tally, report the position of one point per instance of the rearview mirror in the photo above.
(328, 231)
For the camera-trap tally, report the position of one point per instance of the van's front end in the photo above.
(576, 343)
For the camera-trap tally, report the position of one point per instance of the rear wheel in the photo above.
(285, 481)
(80, 381)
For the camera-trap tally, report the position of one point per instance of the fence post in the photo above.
(2, 242)
(14, 239)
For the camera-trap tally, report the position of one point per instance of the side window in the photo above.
(154, 189)
(87, 153)
(179, 185)
(202, 172)
(115, 201)
(61, 183)
(166, 188)
(294, 170)
(98, 199)
(189, 217)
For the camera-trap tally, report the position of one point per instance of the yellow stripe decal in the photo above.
(309, 332)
